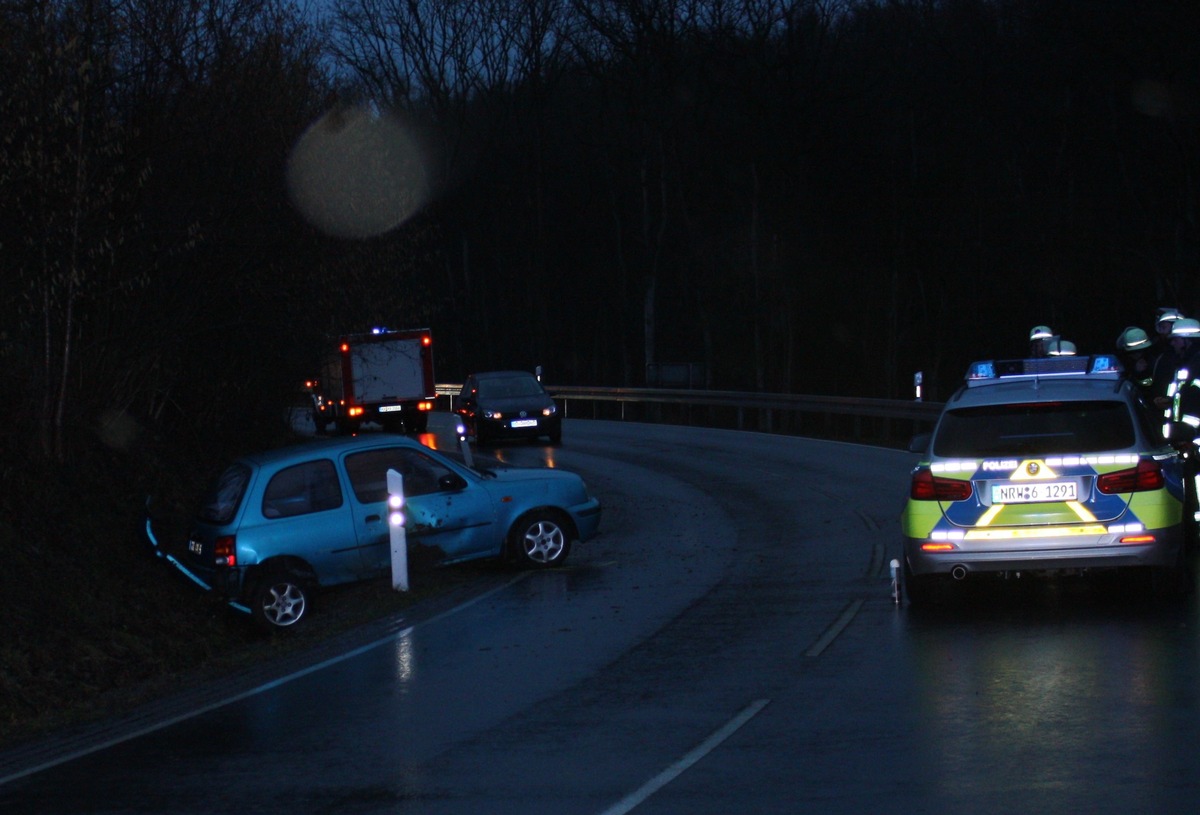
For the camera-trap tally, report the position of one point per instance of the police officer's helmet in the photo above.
(1167, 316)
(1133, 339)
(1061, 348)
(1185, 328)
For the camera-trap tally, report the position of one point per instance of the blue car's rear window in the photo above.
(1038, 429)
(221, 501)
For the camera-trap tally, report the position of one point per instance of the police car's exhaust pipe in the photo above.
(959, 572)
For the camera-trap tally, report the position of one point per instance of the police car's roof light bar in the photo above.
(988, 372)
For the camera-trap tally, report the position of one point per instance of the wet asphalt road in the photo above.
(729, 644)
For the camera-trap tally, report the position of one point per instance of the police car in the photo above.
(1041, 466)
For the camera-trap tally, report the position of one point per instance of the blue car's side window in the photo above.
(309, 487)
(368, 473)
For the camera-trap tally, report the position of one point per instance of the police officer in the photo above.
(1163, 320)
(1040, 337)
(1133, 349)
(1166, 357)
(1184, 391)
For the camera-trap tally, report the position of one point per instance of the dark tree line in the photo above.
(804, 196)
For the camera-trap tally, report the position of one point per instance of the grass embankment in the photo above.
(93, 623)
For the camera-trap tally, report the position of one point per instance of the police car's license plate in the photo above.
(524, 423)
(1029, 492)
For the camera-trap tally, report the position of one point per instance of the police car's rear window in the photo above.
(1041, 428)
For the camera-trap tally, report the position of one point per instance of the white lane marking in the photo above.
(832, 632)
(191, 714)
(635, 798)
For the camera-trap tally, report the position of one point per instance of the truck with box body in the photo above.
(383, 376)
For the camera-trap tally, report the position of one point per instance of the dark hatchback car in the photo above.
(508, 404)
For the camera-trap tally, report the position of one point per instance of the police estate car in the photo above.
(1045, 465)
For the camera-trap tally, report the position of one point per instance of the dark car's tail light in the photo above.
(1147, 475)
(928, 487)
(225, 550)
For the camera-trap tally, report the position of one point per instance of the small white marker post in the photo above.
(399, 538)
(465, 446)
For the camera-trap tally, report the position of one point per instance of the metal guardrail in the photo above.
(770, 412)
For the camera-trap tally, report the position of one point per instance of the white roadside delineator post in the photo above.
(399, 538)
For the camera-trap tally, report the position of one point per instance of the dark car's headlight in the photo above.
(493, 414)
(550, 411)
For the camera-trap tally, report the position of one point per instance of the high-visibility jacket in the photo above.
(1184, 391)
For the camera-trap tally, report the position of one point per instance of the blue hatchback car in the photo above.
(275, 526)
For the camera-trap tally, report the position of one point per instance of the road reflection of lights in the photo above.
(995, 703)
(405, 657)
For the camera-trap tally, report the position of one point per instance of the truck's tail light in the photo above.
(425, 406)
(1147, 475)
(225, 550)
(928, 487)
(355, 412)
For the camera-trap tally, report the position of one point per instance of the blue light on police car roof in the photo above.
(1105, 364)
(982, 370)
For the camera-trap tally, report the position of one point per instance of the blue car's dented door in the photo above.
(444, 513)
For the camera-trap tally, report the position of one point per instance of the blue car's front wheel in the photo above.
(540, 539)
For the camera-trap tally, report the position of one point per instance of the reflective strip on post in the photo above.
(399, 537)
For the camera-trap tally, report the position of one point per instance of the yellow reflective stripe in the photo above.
(1035, 532)
(1080, 510)
(990, 515)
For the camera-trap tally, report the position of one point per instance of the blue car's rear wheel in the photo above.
(280, 600)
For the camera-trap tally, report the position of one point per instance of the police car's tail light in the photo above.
(1147, 475)
(225, 550)
(928, 487)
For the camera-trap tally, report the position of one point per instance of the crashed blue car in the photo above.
(276, 526)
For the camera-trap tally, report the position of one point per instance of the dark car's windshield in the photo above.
(509, 386)
(221, 501)
(1040, 428)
